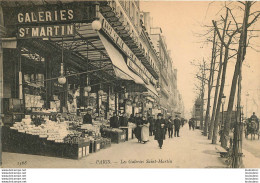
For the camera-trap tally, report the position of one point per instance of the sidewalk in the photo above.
(191, 150)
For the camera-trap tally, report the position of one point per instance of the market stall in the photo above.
(67, 139)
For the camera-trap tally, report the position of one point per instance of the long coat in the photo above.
(170, 124)
(177, 123)
(123, 121)
(139, 123)
(160, 127)
(114, 122)
(151, 122)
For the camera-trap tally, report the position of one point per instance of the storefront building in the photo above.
(60, 59)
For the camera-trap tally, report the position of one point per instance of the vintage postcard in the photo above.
(129, 84)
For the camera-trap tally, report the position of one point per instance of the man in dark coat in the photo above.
(193, 123)
(138, 129)
(151, 127)
(123, 120)
(160, 127)
(190, 124)
(114, 121)
(87, 119)
(170, 127)
(177, 125)
(182, 121)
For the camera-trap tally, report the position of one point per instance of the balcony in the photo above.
(114, 14)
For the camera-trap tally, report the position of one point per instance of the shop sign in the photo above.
(50, 21)
(135, 68)
(46, 31)
(132, 61)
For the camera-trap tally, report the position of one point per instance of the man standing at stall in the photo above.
(114, 122)
(123, 120)
(177, 125)
(87, 119)
(160, 130)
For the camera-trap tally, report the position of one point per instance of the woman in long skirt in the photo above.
(138, 122)
(145, 130)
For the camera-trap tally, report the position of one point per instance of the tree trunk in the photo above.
(216, 121)
(202, 95)
(240, 58)
(218, 79)
(210, 83)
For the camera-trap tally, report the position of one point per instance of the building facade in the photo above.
(70, 56)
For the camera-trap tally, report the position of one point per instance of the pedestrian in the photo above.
(190, 124)
(123, 120)
(193, 123)
(87, 119)
(138, 122)
(114, 121)
(182, 122)
(151, 125)
(145, 130)
(177, 125)
(170, 126)
(160, 130)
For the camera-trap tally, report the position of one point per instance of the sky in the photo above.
(181, 24)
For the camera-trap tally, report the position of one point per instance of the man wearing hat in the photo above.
(114, 121)
(177, 125)
(87, 119)
(160, 130)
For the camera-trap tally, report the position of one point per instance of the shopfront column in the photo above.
(81, 90)
(48, 84)
(97, 101)
(116, 99)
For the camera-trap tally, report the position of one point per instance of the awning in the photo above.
(152, 89)
(121, 69)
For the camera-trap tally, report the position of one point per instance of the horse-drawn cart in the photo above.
(252, 128)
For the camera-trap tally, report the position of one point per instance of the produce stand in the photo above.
(16, 142)
(116, 135)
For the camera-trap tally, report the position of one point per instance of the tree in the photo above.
(210, 82)
(240, 58)
(218, 79)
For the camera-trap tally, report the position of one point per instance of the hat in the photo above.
(160, 114)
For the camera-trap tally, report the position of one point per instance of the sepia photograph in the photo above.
(129, 84)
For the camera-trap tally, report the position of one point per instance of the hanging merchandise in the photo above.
(62, 78)
(87, 88)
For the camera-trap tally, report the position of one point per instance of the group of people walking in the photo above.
(150, 126)
(192, 124)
